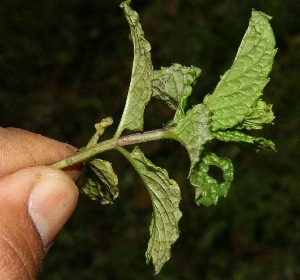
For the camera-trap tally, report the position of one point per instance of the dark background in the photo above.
(65, 65)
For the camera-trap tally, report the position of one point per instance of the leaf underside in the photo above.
(140, 91)
(99, 181)
(174, 85)
(165, 196)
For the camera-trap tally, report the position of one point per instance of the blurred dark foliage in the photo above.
(65, 65)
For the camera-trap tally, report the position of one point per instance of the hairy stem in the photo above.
(87, 153)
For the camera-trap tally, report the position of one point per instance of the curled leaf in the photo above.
(207, 189)
(237, 136)
(261, 114)
(100, 128)
(99, 181)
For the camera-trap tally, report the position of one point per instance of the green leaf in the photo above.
(207, 189)
(99, 181)
(165, 196)
(193, 131)
(174, 85)
(236, 96)
(261, 114)
(140, 91)
(237, 136)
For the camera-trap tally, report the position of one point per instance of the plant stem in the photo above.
(87, 153)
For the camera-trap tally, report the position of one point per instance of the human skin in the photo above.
(36, 200)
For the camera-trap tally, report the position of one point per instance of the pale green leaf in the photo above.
(261, 114)
(165, 196)
(193, 131)
(140, 90)
(237, 136)
(236, 95)
(174, 85)
(208, 189)
(100, 128)
(99, 181)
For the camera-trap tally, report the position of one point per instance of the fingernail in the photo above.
(51, 203)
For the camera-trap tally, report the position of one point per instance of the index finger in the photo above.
(20, 149)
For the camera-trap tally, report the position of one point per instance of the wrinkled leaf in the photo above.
(237, 95)
(174, 85)
(261, 114)
(99, 181)
(165, 196)
(193, 131)
(140, 91)
(207, 188)
(237, 136)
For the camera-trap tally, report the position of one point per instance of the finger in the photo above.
(21, 148)
(34, 205)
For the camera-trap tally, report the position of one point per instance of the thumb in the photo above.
(34, 205)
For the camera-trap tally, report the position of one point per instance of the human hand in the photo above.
(35, 200)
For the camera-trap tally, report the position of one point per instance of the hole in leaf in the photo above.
(216, 173)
